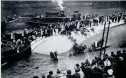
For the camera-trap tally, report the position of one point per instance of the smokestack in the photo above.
(60, 2)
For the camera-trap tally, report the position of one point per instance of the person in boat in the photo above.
(55, 56)
(52, 55)
(19, 42)
(25, 33)
(75, 48)
(55, 53)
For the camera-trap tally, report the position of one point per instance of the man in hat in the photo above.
(50, 74)
(76, 74)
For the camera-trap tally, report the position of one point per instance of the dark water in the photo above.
(27, 68)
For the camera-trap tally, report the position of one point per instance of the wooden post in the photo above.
(102, 40)
(106, 38)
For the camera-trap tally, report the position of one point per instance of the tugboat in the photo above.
(50, 17)
(11, 52)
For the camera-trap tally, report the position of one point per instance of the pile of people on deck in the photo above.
(110, 66)
(78, 49)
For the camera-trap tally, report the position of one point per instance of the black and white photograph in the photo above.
(63, 39)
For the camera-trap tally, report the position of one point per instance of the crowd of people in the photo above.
(66, 28)
(82, 49)
(111, 66)
(18, 41)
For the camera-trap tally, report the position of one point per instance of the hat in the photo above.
(58, 71)
(68, 71)
(120, 58)
(35, 77)
(82, 63)
(64, 72)
(50, 72)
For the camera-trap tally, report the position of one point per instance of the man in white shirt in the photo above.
(107, 63)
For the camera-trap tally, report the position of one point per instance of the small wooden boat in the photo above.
(9, 55)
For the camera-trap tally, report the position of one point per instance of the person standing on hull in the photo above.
(45, 32)
(59, 29)
(51, 31)
(41, 32)
(56, 30)
(119, 17)
(115, 18)
(66, 29)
